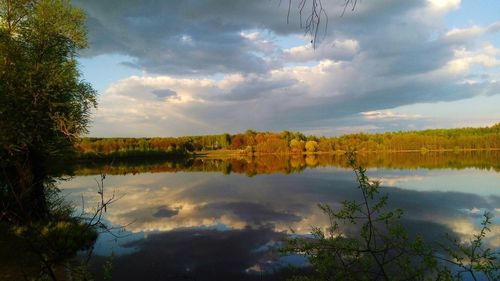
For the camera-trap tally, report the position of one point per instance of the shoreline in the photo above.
(228, 153)
(242, 153)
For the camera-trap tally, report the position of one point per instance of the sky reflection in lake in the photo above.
(210, 222)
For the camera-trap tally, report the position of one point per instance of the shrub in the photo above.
(365, 241)
(311, 146)
(296, 146)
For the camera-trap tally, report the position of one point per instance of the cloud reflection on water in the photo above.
(187, 217)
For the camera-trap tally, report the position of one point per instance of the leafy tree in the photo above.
(296, 146)
(311, 146)
(44, 104)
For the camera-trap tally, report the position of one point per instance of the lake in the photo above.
(224, 219)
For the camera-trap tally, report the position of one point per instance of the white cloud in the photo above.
(465, 228)
(462, 35)
(387, 114)
(464, 59)
(201, 200)
(445, 5)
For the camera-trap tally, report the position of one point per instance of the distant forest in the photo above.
(252, 142)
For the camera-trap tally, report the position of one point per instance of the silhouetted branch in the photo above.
(312, 15)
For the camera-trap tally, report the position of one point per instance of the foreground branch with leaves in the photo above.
(60, 248)
(365, 240)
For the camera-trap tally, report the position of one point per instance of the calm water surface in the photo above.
(221, 224)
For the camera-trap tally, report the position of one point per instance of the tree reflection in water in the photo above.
(268, 164)
(188, 216)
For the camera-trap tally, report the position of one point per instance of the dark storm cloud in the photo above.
(204, 37)
(148, 214)
(164, 93)
(165, 212)
(383, 55)
(181, 37)
(417, 91)
(252, 213)
(303, 192)
(257, 87)
(197, 255)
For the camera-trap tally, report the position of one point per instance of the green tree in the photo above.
(44, 104)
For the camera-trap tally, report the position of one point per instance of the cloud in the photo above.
(256, 87)
(213, 66)
(293, 97)
(166, 212)
(252, 213)
(164, 93)
(462, 35)
(199, 254)
(209, 36)
(182, 37)
(464, 59)
(336, 50)
(387, 114)
(445, 5)
(196, 202)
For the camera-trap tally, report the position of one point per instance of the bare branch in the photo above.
(312, 16)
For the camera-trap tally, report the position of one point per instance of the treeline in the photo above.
(252, 142)
(150, 147)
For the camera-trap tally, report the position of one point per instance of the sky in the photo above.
(197, 67)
